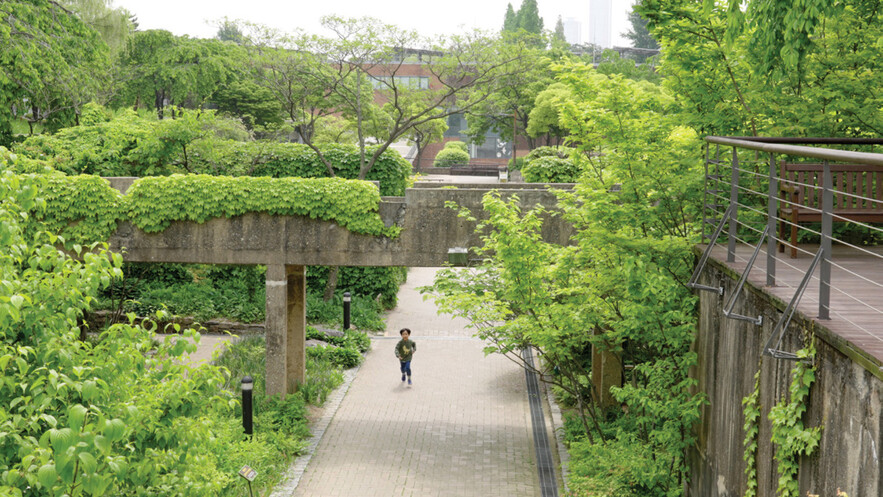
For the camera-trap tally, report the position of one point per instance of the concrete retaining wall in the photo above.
(846, 400)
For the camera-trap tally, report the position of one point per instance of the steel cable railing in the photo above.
(838, 186)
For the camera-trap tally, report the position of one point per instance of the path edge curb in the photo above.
(298, 467)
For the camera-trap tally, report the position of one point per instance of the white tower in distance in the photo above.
(601, 23)
(573, 31)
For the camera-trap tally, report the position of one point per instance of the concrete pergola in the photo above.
(286, 245)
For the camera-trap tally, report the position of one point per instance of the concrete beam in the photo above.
(429, 229)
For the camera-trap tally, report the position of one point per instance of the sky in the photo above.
(195, 17)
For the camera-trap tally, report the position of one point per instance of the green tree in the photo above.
(528, 17)
(814, 75)
(166, 70)
(559, 32)
(610, 62)
(716, 92)
(229, 31)
(364, 63)
(544, 117)
(620, 286)
(507, 110)
(114, 24)
(52, 63)
(510, 22)
(422, 135)
(88, 418)
(639, 34)
(251, 102)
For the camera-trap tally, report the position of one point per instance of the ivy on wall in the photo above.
(751, 411)
(84, 209)
(789, 434)
(153, 203)
(81, 209)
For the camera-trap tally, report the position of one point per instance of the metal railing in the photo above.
(743, 185)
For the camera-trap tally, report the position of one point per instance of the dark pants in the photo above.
(406, 367)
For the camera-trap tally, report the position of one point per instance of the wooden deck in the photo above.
(856, 304)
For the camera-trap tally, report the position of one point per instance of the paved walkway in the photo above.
(462, 429)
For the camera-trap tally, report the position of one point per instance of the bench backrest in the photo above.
(853, 185)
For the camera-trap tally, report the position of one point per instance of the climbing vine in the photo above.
(153, 203)
(84, 209)
(81, 209)
(790, 436)
(751, 411)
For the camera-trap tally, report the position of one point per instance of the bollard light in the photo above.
(247, 387)
(346, 310)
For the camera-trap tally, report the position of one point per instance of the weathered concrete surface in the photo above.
(846, 400)
(286, 327)
(429, 229)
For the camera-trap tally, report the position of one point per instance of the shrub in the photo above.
(339, 356)
(368, 282)
(551, 170)
(282, 160)
(353, 339)
(448, 157)
(457, 145)
(94, 113)
(559, 152)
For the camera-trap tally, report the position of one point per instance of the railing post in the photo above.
(705, 208)
(827, 224)
(734, 201)
(772, 197)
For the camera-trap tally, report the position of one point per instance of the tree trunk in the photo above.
(331, 284)
(419, 157)
(158, 103)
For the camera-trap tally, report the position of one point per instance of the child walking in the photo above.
(405, 351)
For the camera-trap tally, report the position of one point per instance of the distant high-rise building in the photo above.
(573, 31)
(601, 23)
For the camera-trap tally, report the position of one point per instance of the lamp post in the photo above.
(247, 387)
(346, 310)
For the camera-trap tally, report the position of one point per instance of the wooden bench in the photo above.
(801, 203)
(477, 169)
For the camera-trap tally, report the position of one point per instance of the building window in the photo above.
(410, 82)
(456, 125)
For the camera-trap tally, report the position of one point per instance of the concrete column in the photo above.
(286, 327)
(606, 373)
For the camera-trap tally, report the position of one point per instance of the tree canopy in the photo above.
(51, 64)
(526, 18)
(363, 74)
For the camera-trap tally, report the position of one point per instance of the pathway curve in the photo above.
(463, 428)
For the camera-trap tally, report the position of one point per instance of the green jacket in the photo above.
(405, 350)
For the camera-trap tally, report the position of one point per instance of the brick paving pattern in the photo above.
(462, 429)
